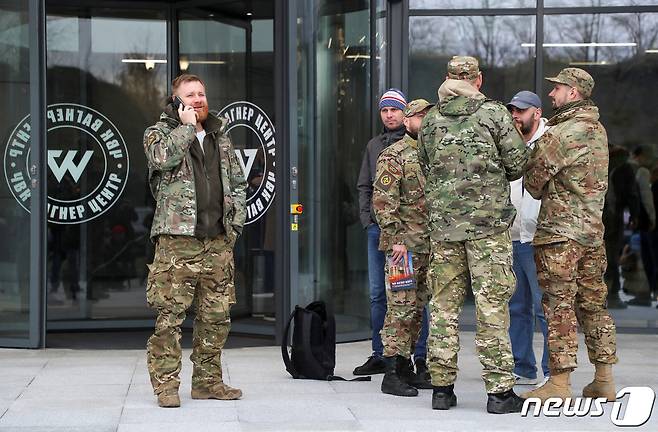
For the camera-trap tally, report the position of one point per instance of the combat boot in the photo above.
(169, 398)
(504, 403)
(216, 391)
(421, 379)
(603, 385)
(393, 382)
(558, 385)
(443, 397)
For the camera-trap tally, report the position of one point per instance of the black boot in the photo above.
(393, 382)
(421, 379)
(444, 397)
(374, 365)
(504, 403)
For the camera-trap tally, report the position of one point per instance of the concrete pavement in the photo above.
(108, 390)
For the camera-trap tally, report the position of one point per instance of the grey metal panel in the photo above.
(38, 253)
(285, 102)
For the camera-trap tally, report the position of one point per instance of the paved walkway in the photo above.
(99, 390)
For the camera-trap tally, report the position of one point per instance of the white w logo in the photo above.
(68, 164)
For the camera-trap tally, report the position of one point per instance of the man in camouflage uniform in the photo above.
(399, 203)
(199, 188)
(568, 171)
(469, 151)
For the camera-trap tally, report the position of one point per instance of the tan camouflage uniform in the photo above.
(469, 151)
(568, 171)
(399, 205)
(187, 268)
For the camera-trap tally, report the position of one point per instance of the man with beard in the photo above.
(568, 171)
(391, 106)
(199, 188)
(525, 304)
(399, 204)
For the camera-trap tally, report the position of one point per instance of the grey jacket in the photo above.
(369, 168)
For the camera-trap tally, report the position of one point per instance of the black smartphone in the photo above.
(178, 102)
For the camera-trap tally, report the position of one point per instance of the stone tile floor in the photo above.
(108, 390)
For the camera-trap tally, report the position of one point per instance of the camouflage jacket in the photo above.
(568, 171)
(469, 151)
(171, 176)
(398, 198)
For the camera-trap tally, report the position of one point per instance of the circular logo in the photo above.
(253, 137)
(386, 180)
(87, 163)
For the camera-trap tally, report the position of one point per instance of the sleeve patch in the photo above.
(152, 137)
(385, 180)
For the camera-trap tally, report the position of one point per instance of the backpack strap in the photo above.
(290, 367)
(340, 378)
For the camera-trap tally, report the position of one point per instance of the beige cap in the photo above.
(577, 78)
(416, 106)
(463, 67)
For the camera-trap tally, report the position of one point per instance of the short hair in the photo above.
(183, 79)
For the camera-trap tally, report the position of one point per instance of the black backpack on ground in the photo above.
(313, 353)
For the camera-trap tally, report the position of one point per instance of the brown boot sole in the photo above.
(609, 396)
(169, 402)
(229, 395)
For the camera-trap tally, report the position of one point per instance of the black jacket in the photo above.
(369, 168)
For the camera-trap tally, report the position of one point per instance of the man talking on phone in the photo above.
(199, 188)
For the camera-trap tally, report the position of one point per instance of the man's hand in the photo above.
(187, 115)
(399, 253)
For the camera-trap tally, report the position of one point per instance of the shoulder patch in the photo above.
(385, 180)
(394, 170)
(152, 137)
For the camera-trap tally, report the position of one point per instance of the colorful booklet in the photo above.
(401, 275)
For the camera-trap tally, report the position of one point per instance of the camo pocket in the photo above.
(158, 285)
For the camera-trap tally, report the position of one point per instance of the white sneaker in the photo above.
(521, 380)
(544, 381)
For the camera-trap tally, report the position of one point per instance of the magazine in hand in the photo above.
(401, 275)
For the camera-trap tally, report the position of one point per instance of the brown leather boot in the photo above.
(169, 399)
(603, 385)
(558, 385)
(216, 391)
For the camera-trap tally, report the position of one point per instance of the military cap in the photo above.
(463, 67)
(416, 106)
(576, 78)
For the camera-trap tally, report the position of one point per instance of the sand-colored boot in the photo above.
(558, 385)
(169, 399)
(216, 391)
(603, 385)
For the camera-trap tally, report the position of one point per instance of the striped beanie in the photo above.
(393, 98)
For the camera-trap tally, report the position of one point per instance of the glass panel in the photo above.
(342, 108)
(379, 53)
(620, 51)
(507, 66)
(106, 83)
(236, 60)
(471, 4)
(585, 3)
(14, 191)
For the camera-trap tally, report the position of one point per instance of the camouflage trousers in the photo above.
(487, 264)
(571, 277)
(187, 270)
(404, 312)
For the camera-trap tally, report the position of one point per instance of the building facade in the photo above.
(298, 81)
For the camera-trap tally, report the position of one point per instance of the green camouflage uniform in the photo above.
(470, 151)
(568, 171)
(399, 203)
(187, 268)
